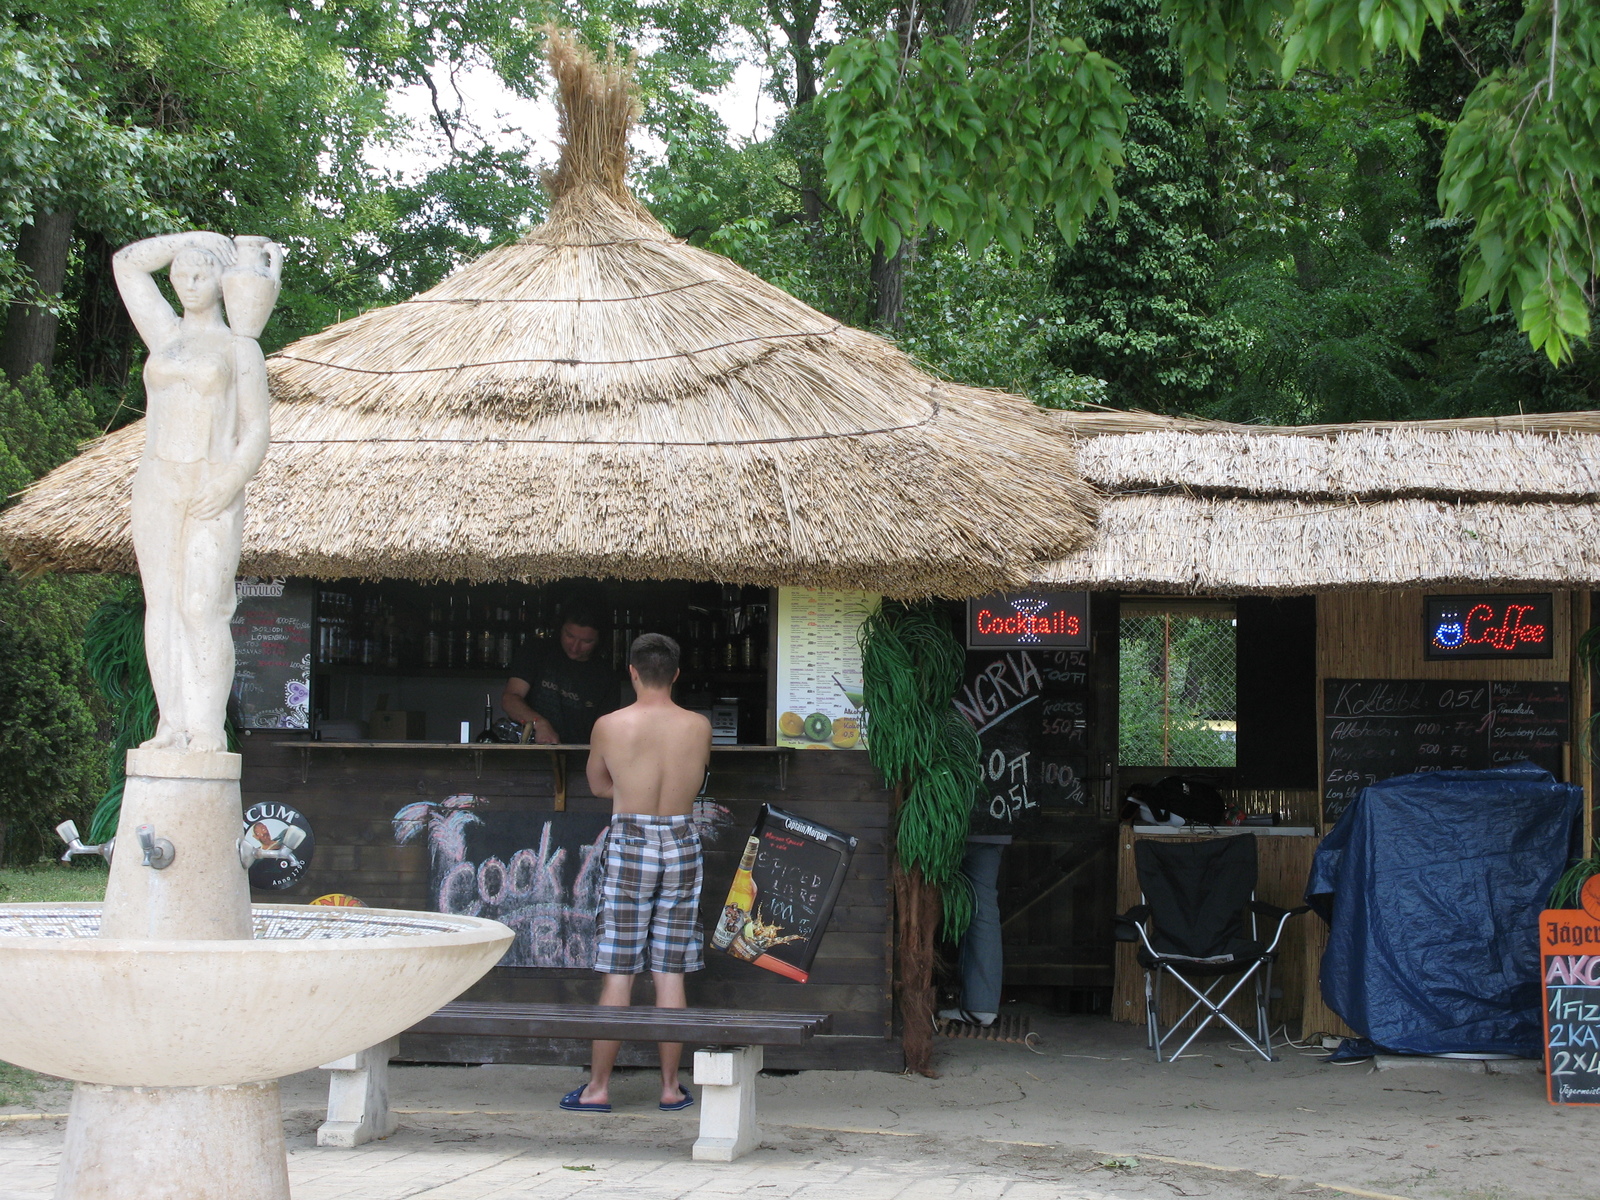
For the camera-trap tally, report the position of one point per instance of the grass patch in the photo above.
(17, 1085)
(51, 883)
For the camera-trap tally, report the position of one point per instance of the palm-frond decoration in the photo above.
(911, 665)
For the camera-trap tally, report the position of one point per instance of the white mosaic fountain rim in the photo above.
(271, 924)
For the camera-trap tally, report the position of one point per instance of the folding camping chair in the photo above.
(1190, 923)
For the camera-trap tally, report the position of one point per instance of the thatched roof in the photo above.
(1207, 507)
(601, 399)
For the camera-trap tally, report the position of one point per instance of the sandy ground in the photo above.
(1002, 1120)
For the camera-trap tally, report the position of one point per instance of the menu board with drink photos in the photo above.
(818, 682)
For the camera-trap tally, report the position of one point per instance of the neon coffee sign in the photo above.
(1031, 620)
(1490, 626)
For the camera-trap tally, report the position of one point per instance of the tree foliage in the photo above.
(909, 128)
(964, 138)
(52, 763)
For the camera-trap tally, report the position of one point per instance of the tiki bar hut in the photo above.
(600, 420)
(595, 419)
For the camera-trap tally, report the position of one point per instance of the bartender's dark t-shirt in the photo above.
(568, 694)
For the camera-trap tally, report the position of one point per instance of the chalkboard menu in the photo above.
(1531, 721)
(1569, 962)
(272, 653)
(1030, 709)
(781, 899)
(1378, 728)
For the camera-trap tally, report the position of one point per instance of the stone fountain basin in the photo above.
(315, 985)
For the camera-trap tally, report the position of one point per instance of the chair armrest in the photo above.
(1129, 925)
(1262, 909)
(1281, 915)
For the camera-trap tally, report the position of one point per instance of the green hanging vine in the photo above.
(911, 665)
(113, 646)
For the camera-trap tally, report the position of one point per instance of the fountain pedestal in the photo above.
(186, 1143)
(192, 800)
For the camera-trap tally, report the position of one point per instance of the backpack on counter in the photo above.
(1193, 799)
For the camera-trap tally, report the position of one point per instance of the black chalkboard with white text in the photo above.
(1030, 709)
(1379, 728)
(272, 653)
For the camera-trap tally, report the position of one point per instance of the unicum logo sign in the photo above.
(1488, 626)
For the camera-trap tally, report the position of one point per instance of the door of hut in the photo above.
(1058, 887)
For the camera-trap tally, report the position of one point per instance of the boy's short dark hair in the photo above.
(655, 657)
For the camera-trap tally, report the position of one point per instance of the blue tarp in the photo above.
(1434, 884)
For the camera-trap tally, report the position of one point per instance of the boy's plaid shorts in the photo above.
(651, 898)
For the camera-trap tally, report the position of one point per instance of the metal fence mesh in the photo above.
(1178, 700)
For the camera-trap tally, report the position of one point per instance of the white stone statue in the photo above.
(206, 433)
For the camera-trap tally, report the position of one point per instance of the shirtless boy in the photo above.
(650, 759)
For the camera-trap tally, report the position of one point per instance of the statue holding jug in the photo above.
(206, 431)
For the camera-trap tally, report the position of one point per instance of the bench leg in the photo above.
(358, 1097)
(727, 1080)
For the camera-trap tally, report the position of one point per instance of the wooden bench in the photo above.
(725, 1065)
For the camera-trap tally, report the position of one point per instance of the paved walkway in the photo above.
(476, 1157)
(1086, 1115)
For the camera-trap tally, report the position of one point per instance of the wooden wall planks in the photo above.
(351, 796)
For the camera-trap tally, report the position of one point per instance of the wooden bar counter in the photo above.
(350, 792)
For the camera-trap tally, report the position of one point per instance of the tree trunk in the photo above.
(916, 906)
(889, 289)
(29, 339)
(102, 337)
(916, 911)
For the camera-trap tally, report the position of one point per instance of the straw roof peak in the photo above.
(597, 103)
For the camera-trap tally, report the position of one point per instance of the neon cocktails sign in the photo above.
(1033, 619)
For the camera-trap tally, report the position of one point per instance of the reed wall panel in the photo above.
(1378, 635)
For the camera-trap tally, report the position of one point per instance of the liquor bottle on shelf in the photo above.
(741, 898)
(618, 654)
(465, 635)
(447, 635)
(368, 632)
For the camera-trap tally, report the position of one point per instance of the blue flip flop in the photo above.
(573, 1102)
(681, 1104)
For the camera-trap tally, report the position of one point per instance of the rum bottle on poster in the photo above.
(741, 899)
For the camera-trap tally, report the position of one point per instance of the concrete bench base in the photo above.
(358, 1097)
(727, 1079)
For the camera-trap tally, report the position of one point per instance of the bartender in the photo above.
(560, 690)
